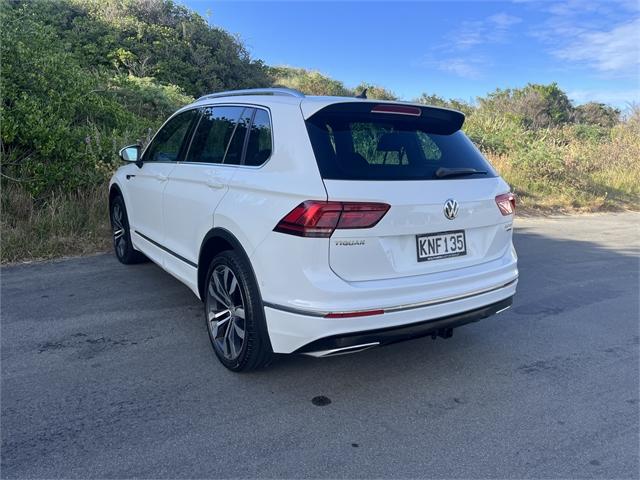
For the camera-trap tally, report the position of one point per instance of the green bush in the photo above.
(147, 98)
(534, 106)
(155, 38)
(495, 134)
(67, 107)
(307, 81)
(49, 107)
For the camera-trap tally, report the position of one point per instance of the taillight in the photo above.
(506, 203)
(319, 219)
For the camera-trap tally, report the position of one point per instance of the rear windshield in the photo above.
(354, 144)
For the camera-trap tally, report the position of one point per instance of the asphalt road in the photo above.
(107, 372)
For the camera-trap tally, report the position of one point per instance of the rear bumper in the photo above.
(384, 336)
(294, 331)
(294, 275)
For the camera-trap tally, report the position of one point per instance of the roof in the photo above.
(309, 104)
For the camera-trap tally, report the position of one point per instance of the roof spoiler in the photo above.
(442, 121)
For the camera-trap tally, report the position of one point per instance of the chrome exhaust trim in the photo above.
(502, 310)
(342, 351)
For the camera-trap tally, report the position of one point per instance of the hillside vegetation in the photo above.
(81, 78)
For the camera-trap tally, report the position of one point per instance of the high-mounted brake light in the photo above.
(506, 203)
(397, 109)
(319, 219)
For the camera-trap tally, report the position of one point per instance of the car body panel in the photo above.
(389, 250)
(190, 199)
(145, 188)
(289, 331)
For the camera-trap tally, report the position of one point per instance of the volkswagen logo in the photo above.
(450, 209)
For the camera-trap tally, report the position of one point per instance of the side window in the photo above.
(214, 134)
(166, 145)
(259, 145)
(234, 151)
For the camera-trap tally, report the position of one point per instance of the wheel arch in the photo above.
(114, 191)
(215, 241)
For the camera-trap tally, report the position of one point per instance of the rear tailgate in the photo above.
(414, 159)
(390, 248)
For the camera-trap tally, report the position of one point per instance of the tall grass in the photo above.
(568, 169)
(63, 224)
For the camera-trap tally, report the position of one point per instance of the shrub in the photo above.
(62, 124)
(307, 81)
(535, 105)
(495, 134)
(593, 113)
(374, 91)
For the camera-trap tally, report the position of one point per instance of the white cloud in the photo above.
(470, 35)
(504, 20)
(460, 67)
(493, 29)
(601, 35)
(461, 54)
(457, 65)
(620, 98)
(615, 51)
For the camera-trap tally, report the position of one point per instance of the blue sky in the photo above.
(456, 49)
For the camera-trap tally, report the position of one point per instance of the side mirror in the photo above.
(130, 153)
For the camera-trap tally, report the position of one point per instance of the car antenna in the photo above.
(362, 94)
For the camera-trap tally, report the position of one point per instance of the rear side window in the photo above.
(259, 144)
(214, 136)
(351, 142)
(234, 151)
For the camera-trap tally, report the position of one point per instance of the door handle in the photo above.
(214, 182)
(161, 178)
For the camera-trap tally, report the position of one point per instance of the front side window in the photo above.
(214, 134)
(166, 145)
(259, 144)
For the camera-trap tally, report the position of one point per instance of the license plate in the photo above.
(434, 246)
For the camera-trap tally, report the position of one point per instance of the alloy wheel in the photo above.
(226, 312)
(119, 232)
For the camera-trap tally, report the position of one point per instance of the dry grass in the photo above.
(64, 224)
(588, 176)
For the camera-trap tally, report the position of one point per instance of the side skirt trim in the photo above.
(162, 247)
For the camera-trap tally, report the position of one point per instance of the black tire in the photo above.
(122, 246)
(224, 312)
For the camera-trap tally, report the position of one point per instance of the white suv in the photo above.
(318, 225)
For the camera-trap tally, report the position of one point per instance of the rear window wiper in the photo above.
(443, 172)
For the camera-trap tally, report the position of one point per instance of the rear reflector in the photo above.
(319, 219)
(397, 109)
(506, 203)
(365, 313)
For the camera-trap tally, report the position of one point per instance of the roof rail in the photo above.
(255, 91)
